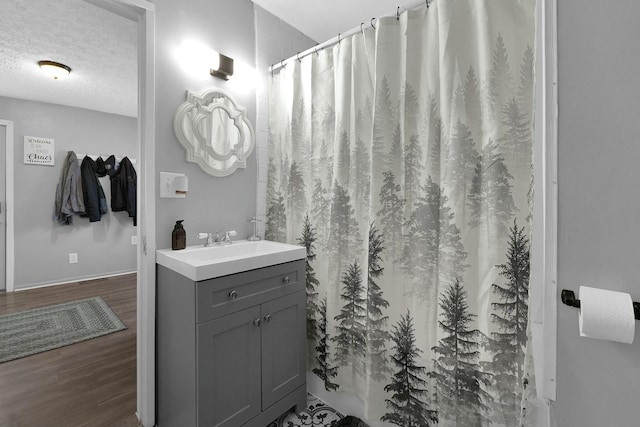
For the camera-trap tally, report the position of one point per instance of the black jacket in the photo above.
(95, 203)
(124, 184)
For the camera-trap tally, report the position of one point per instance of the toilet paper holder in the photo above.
(569, 298)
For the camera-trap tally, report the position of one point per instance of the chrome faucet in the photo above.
(226, 240)
(217, 240)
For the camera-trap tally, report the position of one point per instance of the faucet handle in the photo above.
(228, 234)
(206, 236)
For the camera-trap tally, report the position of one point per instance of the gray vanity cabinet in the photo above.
(282, 346)
(229, 369)
(231, 350)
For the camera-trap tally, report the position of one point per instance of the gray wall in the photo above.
(226, 26)
(41, 245)
(599, 203)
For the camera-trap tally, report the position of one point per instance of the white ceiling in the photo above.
(99, 46)
(322, 20)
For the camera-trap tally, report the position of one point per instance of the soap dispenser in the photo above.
(178, 236)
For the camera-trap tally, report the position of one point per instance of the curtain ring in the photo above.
(316, 49)
(282, 64)
(372, 25)
(339, 41)
(398, 13)
(362, 28)
(298, 57)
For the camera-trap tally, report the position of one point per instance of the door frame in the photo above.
(142, 12)
(146, 208)
(544, 248)
(9, 236)
(549, 160)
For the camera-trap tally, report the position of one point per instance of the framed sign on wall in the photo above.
(39, 151)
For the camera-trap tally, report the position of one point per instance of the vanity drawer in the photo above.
(224, 295)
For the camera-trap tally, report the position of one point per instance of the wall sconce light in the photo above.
(224, 68)
(55, 70)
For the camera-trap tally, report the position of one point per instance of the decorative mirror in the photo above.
(214, 131)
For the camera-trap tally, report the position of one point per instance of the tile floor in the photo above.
(317, 414)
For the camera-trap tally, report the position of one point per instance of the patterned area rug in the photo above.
(317, 414)
(41, 329)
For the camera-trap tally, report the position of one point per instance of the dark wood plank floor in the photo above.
(92, 383)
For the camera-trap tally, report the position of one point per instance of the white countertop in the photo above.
(202, 263)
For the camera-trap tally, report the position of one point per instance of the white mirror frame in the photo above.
(193, 124)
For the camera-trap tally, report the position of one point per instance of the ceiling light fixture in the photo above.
(55, 70)
(223, 68)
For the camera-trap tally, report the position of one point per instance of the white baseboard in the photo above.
(77, 279)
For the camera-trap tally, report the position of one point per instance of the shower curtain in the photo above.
(401, 158)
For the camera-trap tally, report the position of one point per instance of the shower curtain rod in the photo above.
(339, 37)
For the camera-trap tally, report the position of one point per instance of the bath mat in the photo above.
(41, 329)
(316, 414)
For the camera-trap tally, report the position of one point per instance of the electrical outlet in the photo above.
(134, 240)
(73, 258)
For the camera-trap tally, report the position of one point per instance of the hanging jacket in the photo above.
(95, 201)
(69, 198)
(101, 170)
(124, 184)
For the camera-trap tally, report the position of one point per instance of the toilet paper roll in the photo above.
(606, 315)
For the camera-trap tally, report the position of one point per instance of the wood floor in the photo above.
(92, 383)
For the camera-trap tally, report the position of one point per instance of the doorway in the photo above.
(141, 12)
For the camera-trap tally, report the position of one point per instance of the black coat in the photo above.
(95, 202)
(124, 183)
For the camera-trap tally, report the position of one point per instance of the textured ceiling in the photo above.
(324, 19)
(99, 46)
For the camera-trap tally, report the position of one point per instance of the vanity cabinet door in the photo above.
(228, 367)
(283, 347)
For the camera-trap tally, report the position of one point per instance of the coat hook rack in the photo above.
(569, 298)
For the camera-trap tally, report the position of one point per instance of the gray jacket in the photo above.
(69, 198)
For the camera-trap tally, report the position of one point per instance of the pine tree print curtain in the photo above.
(401, 158)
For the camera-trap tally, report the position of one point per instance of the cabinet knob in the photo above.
(233, 295)
(286, 280)
(257, 322)
(267, 318)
